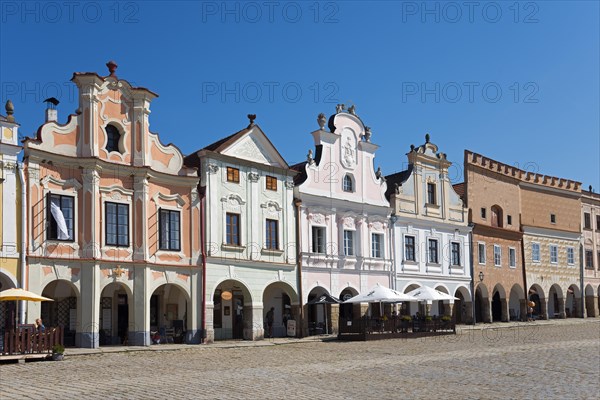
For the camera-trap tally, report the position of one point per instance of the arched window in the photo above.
(496, 216)
(348, 184)
(113, 135)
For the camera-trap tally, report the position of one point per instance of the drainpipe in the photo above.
(393, 219)
(472, 268)
(23, 238)
(203, 252)
(300, 327)
(581, 272)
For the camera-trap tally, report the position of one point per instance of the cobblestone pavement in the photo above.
(528, 361)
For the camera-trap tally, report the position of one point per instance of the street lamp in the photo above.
(481, 276)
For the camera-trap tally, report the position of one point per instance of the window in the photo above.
(318, 239)
(271, 183)
(117, 224)
(570, 256)
(112, 138)
(348, 243)
(347, 184)
(552, 218)
(455, 252)
(535, 252)
(233, 175)
(587, 221)
(232, 226)
(553, 254)
(589, 259)
(432, 251)
(598, 222)
(598, 260)
(169, 230)
(497, 255)
(409, 248)
(481, 248)
(377, 245)
(431, 193)
(483, 212)
(60, 217)
(509, 219)
(272, 238)
(512, 257)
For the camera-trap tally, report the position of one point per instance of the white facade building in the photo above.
(249, 238)
(431, 232)
(343, 219)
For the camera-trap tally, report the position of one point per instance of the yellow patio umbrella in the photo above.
(20, 294)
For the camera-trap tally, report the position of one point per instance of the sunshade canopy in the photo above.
(425, 293)
(381, 294)
(325, 298)
(20, 294)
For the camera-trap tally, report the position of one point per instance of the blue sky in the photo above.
(517, 82)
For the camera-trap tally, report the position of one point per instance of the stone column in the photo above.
(210, 327)
(139, 330)
(505, 317)
(253, 317)
(468, 315)
(561, 308)
(543, 309)
(577, 311)
(591, 306)
(296, 316)
(449, 310)
(88, 334)
(523, 309)
(334, 321)
(486, 309)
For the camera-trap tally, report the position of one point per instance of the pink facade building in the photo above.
(113, 221)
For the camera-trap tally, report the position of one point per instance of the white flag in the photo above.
(61, 224)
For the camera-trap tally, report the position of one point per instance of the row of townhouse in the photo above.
(133, 239)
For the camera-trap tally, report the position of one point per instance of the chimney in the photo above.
(51, 111)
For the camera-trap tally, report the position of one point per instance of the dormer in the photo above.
(342, 164)
(424, 190)
(110, 124)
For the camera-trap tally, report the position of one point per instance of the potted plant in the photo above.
(58, 352)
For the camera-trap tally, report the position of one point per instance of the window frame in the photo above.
(431, 193)
(349, 242)
(483, 213)
(168, 212)
(587, 220)
(509, 219)
(106, 223)
(345, 179)
(234, 174)
(109, 139)
(553, 254)
(497, 255)
(455, 252)
(318, 241)
(377, 251)
(535, 252)
(270, 183)
(50, 218)
(589, 253)
(436, 253)
(512, 257)
(411, 246)
(570, 255)
(480, 253)
(271, 236)
(553, 218)
(230, 235)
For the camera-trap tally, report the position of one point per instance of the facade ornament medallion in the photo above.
(253, 177)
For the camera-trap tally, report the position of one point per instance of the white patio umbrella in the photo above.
(381, 294)
(429, 295)
(425, 293)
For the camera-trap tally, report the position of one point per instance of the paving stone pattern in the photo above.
(527, 361)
